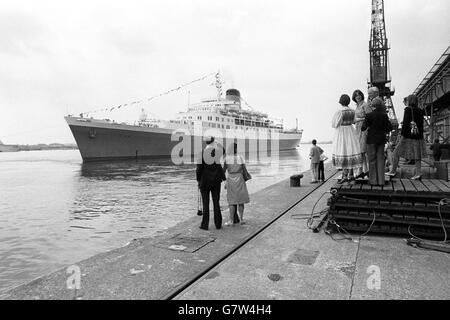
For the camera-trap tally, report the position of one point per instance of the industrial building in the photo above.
(434, 97)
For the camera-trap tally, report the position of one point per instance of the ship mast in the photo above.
(379, 63)
(189, 99)
(218, 85)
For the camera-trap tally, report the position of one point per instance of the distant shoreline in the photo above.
(319, 142)
(37, 147)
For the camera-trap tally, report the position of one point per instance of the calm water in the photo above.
(55, 210)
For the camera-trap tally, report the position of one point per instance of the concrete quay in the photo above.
(287, 261)
(154, 268)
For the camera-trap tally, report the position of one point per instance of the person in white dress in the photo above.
(346, 148)
(362, 109)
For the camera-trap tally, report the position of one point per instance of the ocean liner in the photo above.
(150, 138)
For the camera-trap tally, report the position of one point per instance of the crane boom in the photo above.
(379, 60)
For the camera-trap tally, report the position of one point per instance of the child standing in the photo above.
(323, 158)
(314, 155)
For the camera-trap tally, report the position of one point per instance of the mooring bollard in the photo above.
(295, 180)
(441, 170)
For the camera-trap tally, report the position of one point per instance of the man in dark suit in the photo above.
(210, 175)
(378, 124)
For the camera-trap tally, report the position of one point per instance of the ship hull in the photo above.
(100, 141)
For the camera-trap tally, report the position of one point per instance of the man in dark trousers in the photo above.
(379, 125)
(210, 175)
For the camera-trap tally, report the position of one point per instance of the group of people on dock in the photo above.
(212, 171)
(361, 146)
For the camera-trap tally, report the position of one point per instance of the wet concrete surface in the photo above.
(287, 261)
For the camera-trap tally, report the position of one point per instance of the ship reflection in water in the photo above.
(56, 210)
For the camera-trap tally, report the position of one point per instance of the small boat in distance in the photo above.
(151, 138)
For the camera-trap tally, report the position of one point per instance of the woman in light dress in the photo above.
(346, 148)
(237, 193)
(362, 109)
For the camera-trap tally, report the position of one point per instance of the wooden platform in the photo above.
(401, 206)
(400, 185)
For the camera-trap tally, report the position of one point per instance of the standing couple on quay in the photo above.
(215, 167)
(361, 138)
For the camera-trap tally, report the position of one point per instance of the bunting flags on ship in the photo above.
(109, 109)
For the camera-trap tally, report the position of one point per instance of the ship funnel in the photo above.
(233, 95)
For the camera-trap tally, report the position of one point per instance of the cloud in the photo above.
(21, 34)
(291, 59)
(129, 42)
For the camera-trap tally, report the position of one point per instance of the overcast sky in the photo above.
(292, 59)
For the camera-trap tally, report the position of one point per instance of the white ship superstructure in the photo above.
(222, 114)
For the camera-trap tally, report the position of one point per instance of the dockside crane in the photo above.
(379, 63)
